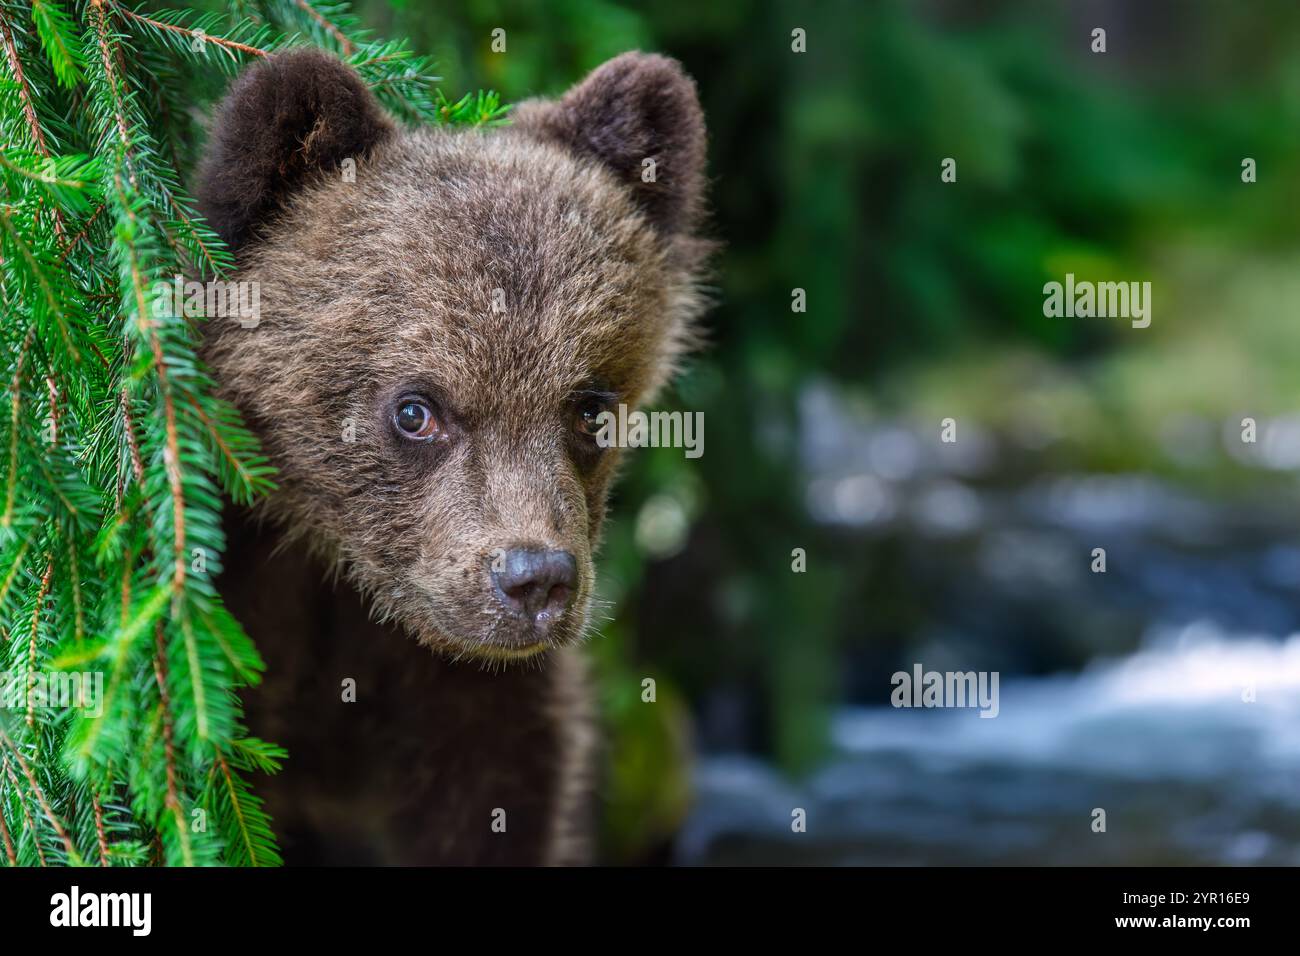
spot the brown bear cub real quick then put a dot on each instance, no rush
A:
(444, 313)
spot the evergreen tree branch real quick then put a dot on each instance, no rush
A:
(10, 855)
(31, 652)
(101, 837)
(189, 32)
(39, 794)
(27, 816)
(114, 468)
(85, 231)
(24, 91)
(169, 747)
(15, 406)
(346, 45)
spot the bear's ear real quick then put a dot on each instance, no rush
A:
(286, 118)
(639, 115)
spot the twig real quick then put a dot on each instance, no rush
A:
(169, 748)
(16, 402)
(99, 830)
(339, 35)
(4, 830)
(40, 797)
(29, 108)
(31, 647)
(106, 58)
(208, 38)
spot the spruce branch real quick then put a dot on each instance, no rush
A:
(100, 836)
(344, 43)
(39, 794)
(115, 451)
(10, 854)
(162, 23)
(24, 91)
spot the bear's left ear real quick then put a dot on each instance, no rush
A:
(639, 115)
(287, 118)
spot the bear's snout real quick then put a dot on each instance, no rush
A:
(536, 585)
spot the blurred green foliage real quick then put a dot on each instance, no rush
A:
(922, 297)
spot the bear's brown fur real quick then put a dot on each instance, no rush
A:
(512, 280)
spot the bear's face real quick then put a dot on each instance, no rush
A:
(439, 331)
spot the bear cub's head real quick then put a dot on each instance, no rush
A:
(443, 314)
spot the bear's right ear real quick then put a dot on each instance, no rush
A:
(285, 119)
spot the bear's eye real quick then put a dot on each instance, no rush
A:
(415, 419)
(588, 421)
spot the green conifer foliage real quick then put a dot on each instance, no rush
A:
(115, 455)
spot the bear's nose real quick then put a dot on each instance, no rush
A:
(534, 583)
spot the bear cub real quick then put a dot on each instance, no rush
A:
(444, 314)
